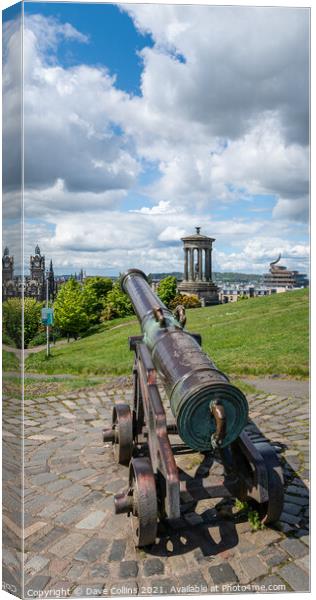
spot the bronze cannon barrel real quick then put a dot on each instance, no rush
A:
(210, 412)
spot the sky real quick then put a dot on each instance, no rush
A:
(144, 121)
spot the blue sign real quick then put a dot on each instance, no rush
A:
(47, 316)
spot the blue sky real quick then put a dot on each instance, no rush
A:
(12, 12)
(143, 121)
(113, 39)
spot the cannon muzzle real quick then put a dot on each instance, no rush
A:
(210, 412)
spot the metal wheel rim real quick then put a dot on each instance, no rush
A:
(271, 510)
(145, 511)
(122, 424)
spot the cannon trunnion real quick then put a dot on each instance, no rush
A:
(210, 415)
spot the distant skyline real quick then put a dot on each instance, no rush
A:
(144, 121)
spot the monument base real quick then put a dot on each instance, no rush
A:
(206, 291)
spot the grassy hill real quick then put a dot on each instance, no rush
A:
(258, 336)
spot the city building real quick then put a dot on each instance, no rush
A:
(33, 285)
(280, 277)
(237, 292)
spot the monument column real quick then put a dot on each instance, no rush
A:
(200, 271)
(210, 263)
(186, 270)
(191, 276)
(205, 278)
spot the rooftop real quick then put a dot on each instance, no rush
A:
(197, 236)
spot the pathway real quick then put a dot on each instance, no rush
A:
(281, 386)
(74, 542)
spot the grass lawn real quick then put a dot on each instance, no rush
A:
(34, 388)
(259, 336)
(104, 353)
(9, 361)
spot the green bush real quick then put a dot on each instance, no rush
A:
(70, 309)
(10, 362)
(188, 301)
(167, 289)
(12, 319)
(95, 291)
(7, 340)
(117, 304)
(38, 340)
(32, 319)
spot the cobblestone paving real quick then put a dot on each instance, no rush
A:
(74, 542)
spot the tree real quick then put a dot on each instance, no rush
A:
(69, 309)
(117, 304)
(12, 319)
(32, 319)
(101, 285)
(95, 290)
(167, 289)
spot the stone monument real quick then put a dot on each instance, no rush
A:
(198, 268)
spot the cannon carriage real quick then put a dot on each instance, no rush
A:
(209, 415)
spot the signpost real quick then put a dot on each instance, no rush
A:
(47, 318)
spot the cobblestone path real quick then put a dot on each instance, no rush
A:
(74, 542)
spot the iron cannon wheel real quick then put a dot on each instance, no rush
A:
(145, 512)
(270, 511)
(122, 425)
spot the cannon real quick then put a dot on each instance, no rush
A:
(209, 415)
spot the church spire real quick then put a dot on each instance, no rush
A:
(51, 282)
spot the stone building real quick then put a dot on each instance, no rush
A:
(34, 285)
(198, 268)
(281, 277)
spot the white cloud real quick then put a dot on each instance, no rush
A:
(265, 249)
(200, 134)
(49, 31)
(240, 61)
(256, 255)
(115, 241)
(56, 199)
(163, 207)
(262, 162)
(236, 111)
(171, 234)
(69, 116)
(296, 209)
(222, 115)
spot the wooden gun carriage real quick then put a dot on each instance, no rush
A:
(210, 416)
